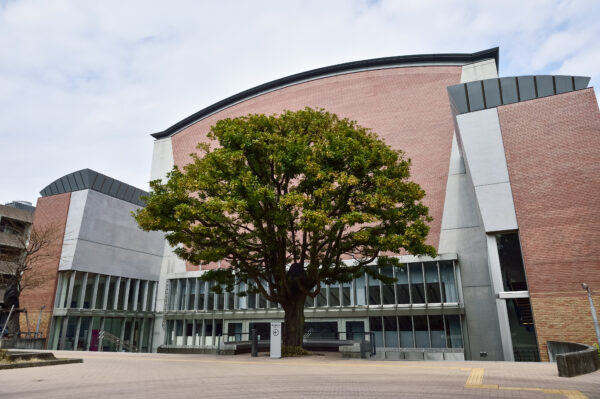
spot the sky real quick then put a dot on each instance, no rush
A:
(83, 84)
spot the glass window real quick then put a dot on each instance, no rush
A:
(112, 292)
(262, 329)
(522, 330)
(511, 262)
(453, 331)
(76, 290)
(251, 299)
(150, 299)
(377, 330)
(438, 333)
(402, 287)
(121, 298)
(234, 332)
(211, 298)
(421, 331)
(173, 295)
(432, 281)
(309, 302)
(361, 298)
(131, 295)
(346, 294)
(448, 282)
(262, 302)
(141, 285)
(231, 300)
(416, 283)
(322, 296)
(89, 291)
(334, 295)
(374, 291)
(181, 301)
(390, 327)
(406, 332)
(100, 294)
(355, 330)
(201, 294)
(387, 290)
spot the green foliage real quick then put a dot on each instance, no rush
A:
(294, 351)
(595, 345)
(304, 188)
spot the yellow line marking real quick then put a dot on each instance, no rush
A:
(475, 380)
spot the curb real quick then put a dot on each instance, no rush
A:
(39, 364)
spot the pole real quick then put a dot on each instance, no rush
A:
(27, 321)
(37, 328)
(7, 320)
(593, 310)
(254, 342)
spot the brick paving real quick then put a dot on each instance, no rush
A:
(125, 375)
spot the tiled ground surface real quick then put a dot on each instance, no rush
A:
(124, 375)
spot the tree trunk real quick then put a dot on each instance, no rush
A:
(11, 297)
(293, 329)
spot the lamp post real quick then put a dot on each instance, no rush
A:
(589, 292)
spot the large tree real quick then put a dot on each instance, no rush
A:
(288, 202)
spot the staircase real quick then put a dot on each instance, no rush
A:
(106, 336)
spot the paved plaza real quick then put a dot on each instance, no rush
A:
(132, 375)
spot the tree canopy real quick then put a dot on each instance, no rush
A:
(289, 201)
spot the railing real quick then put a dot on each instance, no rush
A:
(106, 336)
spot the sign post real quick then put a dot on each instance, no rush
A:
(276, 340)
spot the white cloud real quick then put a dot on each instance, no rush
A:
(82, 84)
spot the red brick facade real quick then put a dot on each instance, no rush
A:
(407, 107)
(51, 212)
(553, 154)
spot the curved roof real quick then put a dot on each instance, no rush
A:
(348, 67)
(89, 179)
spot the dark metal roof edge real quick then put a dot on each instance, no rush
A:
(46, 191)
(325, 71)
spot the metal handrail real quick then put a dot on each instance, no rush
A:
(105, 335)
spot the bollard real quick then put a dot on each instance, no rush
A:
(254, 341)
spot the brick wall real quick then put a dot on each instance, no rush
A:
(51, 212)
(406, 107)
(553, 154)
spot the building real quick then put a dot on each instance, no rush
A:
(15, 227)
(511, 170)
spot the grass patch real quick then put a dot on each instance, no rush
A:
(294, 351)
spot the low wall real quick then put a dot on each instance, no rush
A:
(573, 359)
(23, 343)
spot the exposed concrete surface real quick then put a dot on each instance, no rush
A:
(126, 375)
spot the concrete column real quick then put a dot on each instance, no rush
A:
(122, 335)
(142, 332)
(63, 334)
(102, 320)
(106, 291)
(70, 293)
(126, 296)
(117, 289)
(76, 339)
(88, 339)
(136, 294)
(145, 296)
